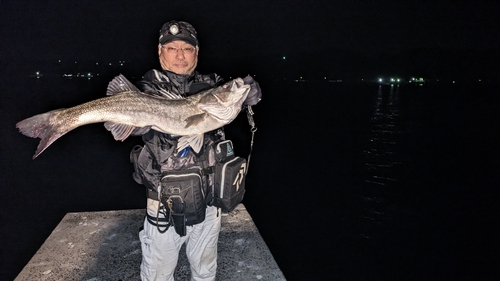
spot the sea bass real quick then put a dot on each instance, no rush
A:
(126, 108)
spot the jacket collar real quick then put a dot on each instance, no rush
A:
(174, 77)
(182, 82)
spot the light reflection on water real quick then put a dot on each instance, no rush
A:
(382, 160)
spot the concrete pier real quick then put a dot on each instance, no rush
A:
(95, 246)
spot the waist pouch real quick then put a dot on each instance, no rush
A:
(229, 177)
(182, 193)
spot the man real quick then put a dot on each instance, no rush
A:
(162, 236)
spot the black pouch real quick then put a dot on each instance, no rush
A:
(183, 194)
(229, 177)
(177, 216)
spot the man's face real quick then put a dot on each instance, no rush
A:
(178, 56)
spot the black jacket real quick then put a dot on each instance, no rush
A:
(159, 152)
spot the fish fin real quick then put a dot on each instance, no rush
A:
(195, 141)
(141, 131)
(120, 84)
(195, 119)
(39, 126)
(220, 112)
(120, 131)
(234, 86)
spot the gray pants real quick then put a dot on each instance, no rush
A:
(160, 251)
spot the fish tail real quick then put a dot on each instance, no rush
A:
(40, 126)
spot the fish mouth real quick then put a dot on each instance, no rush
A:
(240, 93)
(226, 108)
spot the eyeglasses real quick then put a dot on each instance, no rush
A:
(173, 50)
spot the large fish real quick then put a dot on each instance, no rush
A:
(126, 108)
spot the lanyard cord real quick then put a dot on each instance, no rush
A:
(253, 129)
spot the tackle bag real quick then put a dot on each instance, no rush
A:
(229, 177)
(183, 195)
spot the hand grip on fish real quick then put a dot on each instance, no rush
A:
(126, 108)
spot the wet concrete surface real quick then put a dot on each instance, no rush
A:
(105, 245)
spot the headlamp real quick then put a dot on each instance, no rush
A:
(173, 29)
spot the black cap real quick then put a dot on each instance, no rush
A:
(178, 30)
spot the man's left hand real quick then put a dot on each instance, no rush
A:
(255, 94)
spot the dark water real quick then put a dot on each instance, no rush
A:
(347, 181)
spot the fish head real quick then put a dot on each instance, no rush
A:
(232, 93)
(225, 102)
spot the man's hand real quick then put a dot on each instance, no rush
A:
(255, 94)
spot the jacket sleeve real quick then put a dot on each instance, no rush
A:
(157, 149)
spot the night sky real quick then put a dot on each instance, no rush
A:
(228, 30)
